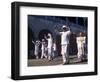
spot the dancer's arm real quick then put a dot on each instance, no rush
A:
(45, 37)
(57, 32)
(33, 42)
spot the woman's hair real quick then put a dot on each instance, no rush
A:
(81, 34)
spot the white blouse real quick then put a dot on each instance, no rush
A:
(81, 41)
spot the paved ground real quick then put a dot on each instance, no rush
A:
(55, 61)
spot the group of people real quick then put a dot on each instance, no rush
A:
(49, 49)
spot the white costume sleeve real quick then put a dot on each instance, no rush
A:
(69, 32)
(57, 32)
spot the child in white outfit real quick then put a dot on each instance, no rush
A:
(43, 49)
(36, 52)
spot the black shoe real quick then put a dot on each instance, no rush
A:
(67, 62)
(49, 60)
(64, 63)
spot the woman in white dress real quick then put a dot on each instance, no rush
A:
(80, 44)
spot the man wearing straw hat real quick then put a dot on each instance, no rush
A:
(65, 34)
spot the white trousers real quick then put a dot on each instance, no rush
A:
(43, 53)
(64, 52)
(80, 51)
(49, 53)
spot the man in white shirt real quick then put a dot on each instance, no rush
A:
(65, 35)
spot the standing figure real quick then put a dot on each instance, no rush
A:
(54, 49)
(80, 45)
(43, 49)
(50, 44)
(36, 51)
(46, 49)
(65, 35)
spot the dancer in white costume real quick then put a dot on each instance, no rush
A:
(43, 48)
(36, 51)
(54, 49)
(64, 43)
(80, 44)
(50, 44)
